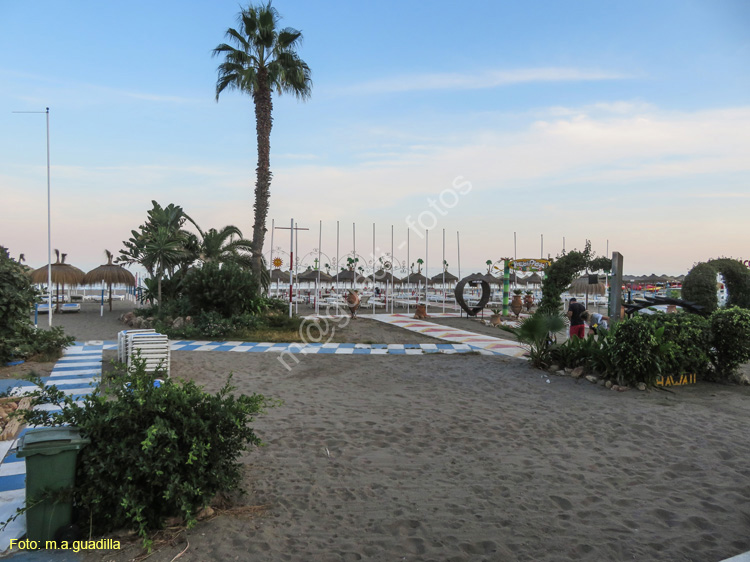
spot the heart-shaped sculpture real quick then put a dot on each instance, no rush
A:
(483, 300)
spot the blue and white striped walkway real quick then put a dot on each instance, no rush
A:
(76, 373)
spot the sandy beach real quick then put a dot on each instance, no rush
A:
(464, 458)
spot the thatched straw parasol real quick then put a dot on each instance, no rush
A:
(449, 278)
(62, 273)
(533, 279)
(383, 276)
(110, 274)
(278, 275)
(581, 285)
(349, 275)
(414, 279)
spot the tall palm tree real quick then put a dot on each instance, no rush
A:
(261, 59)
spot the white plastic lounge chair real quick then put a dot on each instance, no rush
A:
(70, 307)
(122, 356)
(152, 348)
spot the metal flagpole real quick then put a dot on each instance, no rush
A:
(270, 259)
(458, 249)
(354, 255)
(541, 255)
(426, 267)
(393, 267)
(443, 271)
(408, 269)
(291, 261)
(337, 258)
(373, 264)
(317, 281)
(296, 267)
(49, 223)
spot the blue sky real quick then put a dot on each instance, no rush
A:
(623, 122)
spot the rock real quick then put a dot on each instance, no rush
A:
(127, 318)
(205, 513)
(577, 373)
(174, 521)
(178, 323)
(554, 368)
(622, 388)
(568, 370)
(560, 373)
(138, 322)
(742, 379)
(592, 379)
(608, 384)
(189, 320)
(641, 386)
(602, 382)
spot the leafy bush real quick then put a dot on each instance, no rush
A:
(228, 289)
(640, 351)
(730, 341)
(535, 332)
(691, 336)
(699, 287)
(154, 452)
(575, 352)
(16, 298)
(737, 280)
(47, 345)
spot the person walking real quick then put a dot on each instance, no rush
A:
(577, 324)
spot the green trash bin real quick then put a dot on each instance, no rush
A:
(50, 454)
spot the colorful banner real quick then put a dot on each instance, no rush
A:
(529, 264)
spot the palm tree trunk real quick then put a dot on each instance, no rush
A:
(263, 124)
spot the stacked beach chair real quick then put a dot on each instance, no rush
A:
(152, 348)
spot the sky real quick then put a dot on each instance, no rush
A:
(517, 128)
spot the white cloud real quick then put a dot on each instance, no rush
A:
(479, 80)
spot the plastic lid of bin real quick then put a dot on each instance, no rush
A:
(50, 441)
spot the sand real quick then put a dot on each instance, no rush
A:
(475, 458)
(464, 458)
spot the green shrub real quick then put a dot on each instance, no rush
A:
(17, 296)
(48, 345)
(736, 279)
(691, 336)
(227, 289)
(154, 452)
(535, 332)
(730, 341)
(641, 353)
(575, 352)
(699, 287)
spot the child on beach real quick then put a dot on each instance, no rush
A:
(596, 321)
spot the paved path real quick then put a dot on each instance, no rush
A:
(481, 342)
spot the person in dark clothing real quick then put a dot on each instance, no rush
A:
(577, 324)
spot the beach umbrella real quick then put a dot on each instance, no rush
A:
(534, 279)
(381, 276)
(110, 274)
(449, 278)
(581, 285)
(494, 280)
(278, 275)
(349, 275)
(62, 273)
